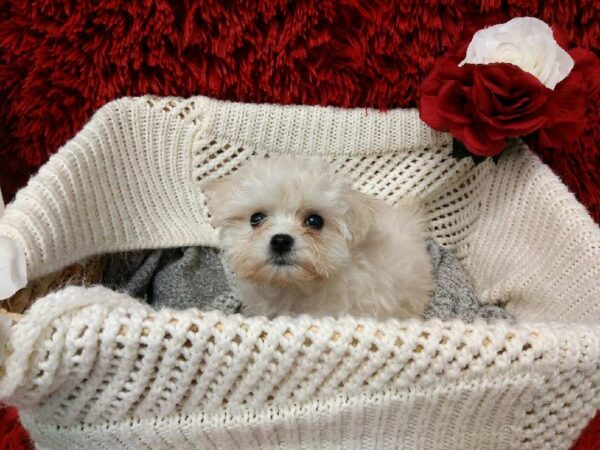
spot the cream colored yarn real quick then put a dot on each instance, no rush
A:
(91, 368)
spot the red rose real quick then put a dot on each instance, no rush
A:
(566, 110)
(483, 105)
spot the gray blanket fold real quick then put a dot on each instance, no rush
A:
(179, 278)
(454, 296)
(187, 277)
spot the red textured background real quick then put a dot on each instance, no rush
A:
(62, 60)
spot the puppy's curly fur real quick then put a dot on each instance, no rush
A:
(344, 252)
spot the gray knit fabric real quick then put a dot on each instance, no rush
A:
(178, 278)
(190, 277)
(454, 296)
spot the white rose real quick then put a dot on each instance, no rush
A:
(526, 42)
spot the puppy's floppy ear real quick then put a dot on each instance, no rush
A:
(360, 216)
(217, 192)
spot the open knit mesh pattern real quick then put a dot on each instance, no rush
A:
(114, 364)
(91, 365)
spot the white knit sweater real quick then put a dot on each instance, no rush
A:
(91, 368)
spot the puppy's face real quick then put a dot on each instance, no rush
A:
(286, 221)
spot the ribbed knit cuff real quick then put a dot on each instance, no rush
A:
(312, 129)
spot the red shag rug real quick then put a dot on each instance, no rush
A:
(62, 60)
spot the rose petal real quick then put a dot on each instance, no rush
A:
(481, 144)
(526, 42)
(587, 64)
(429, 112)
(435, 108)
(452, 101)
(508, 100)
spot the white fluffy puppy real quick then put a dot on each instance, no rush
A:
(300, 240)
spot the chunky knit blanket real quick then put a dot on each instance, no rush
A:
(90, 367)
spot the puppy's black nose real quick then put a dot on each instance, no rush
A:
(281, 243)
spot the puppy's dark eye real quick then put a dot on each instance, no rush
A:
(314, 221)
(256, 219)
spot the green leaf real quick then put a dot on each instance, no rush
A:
(460, 151)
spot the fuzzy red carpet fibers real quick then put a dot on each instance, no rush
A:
(62, 60)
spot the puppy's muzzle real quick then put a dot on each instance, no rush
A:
(281, 244)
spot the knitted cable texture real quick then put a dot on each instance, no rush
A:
(93, 368)
(131, 375)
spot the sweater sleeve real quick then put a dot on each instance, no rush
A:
(121, 183)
